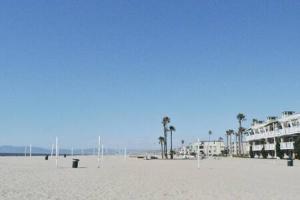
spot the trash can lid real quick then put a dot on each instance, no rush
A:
(75, 159)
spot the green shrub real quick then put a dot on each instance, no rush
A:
(264, 153)
(193, 154)
(297, 148)
(279, 152)
(251, 152)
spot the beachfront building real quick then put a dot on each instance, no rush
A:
(184, 150)
(265, 134)
(233, 146)
(208, 148)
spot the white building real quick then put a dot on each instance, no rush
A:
(209, 148)
(265, 134)
(233, 148)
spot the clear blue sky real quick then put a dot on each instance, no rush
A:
(79, 69)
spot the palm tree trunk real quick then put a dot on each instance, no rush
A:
(166, 146)
(230, 144)
(208, 145)
(165, 143)
(240, 126)
(227, 142)
(236, 144)
(242, 149)
(171, 146)
(162, 151)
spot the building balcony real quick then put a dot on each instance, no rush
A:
(257, 147)
(287, 145)
(269, 147)
(272, 134)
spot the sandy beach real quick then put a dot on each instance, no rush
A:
(226, 178)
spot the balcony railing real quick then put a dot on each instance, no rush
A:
(269, 147)
(257, 147)
(287, 145)
(272, 134)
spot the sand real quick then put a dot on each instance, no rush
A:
(226, 178)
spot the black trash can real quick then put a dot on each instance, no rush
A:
(65, 155)
(46, 157)
(75, 163)
(290, 162)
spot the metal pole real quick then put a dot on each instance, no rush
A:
(99, 143)
(56, 151)
(25, 152)
(125, 153)
(102, 155)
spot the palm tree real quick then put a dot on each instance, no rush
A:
(254, 121)
(161, 142)
(242, 133)
(165, 122)
(229, 133)
(182, 143)
(172, 129)
(209, 134)
(241, 117)
(236, 143)
(227, 142)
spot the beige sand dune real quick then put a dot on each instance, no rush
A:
(227, 178)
